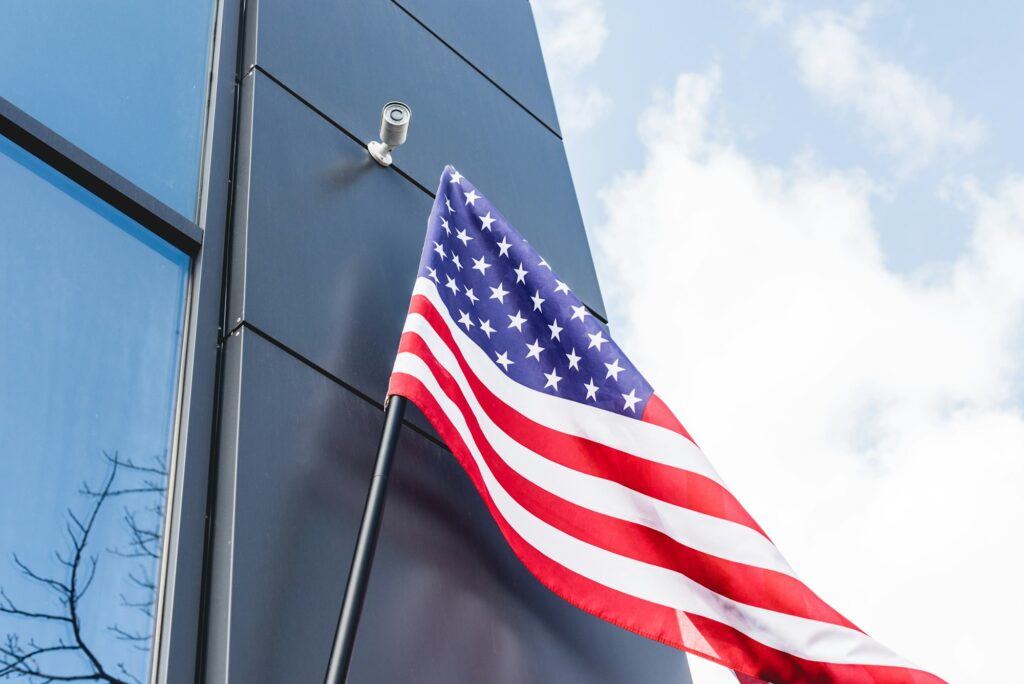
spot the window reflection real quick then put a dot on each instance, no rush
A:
(124, 80)
(91, 315)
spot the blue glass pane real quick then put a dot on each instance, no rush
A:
(91, 315)
(125, 80)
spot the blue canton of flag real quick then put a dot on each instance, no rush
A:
(513, 305)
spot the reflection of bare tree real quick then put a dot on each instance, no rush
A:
(42, 659)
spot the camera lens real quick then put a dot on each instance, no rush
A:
(394, 123)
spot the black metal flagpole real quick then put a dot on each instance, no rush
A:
(366, 543)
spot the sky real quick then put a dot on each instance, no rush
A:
(90, 339)
(93, 303)
(808, 222)
(125, 81)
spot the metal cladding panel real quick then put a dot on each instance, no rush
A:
(448, 600)
(327, 247)
(323, 254)
(294, 465)
(348, 58)
(499, 39)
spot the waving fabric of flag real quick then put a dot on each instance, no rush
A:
(595, 485)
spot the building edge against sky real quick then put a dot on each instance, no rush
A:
(230, 366)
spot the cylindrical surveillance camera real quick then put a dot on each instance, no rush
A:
(394, 127)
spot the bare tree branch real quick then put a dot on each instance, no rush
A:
(143, 526)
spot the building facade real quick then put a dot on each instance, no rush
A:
(204, 279)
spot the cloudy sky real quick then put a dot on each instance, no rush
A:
(809, 227)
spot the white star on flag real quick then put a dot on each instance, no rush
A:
(481, 265)
(613, 370)
(631, 400)
(516, 321)
(504, 360)
(499, 293)
(579, 312)
(535, 350)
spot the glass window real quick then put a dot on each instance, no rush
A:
(125, 81)
(91, 315)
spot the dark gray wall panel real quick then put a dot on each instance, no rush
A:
(499, 38)
(294, 463)
(348, 58)
(327, 242)
(448, 600)
(323, 254)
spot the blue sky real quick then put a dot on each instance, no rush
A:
(830, 199)
(775, 118)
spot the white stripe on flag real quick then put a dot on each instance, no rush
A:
(801, 637)
(718, 537)
(644, 440)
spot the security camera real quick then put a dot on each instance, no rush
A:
(394, 127)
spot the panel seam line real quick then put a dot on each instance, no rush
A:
(331, 376)
(477, 69)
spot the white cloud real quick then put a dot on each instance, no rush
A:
(768, 11)
(572, 35)
(871, 421)
(912, 119)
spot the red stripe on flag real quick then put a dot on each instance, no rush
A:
(744, 583)
(666, 483)
(657, 413)
(692, 633)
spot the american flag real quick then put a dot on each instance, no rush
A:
(596, 486)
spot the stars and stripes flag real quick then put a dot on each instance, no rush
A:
(596, 486)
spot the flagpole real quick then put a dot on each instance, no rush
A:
(366, 543)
